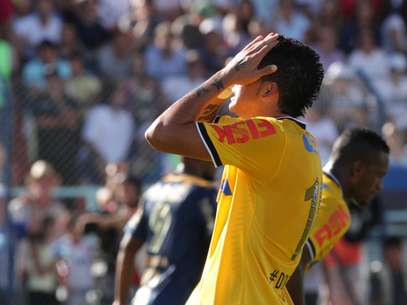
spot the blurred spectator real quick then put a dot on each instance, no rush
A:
(42, 24)
(162, 58)
(88, 24)
(6, 11)
(108, 224)
(110, 11)
(37, 263)
(393, 32)
(327, 47)
(8, 56)
(175, 87)
(48, 60)
(398, 147)
(114, 60)
(236, 32)
(142, 20)
(4, 244)
(290, 22)
(57, 124)
(369, 58)
(76, 254)
(215, 52)
(29, 209)
(108, 133)
(145, 100)
(263, 8)
(170, 9)
(70, 43)
(83, 87)
(344, 96)
(393, 90)
(389, 286)
(324, 129)
(358, 17)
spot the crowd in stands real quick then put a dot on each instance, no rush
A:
(85, 78)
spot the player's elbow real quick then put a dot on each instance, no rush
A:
(155, 136)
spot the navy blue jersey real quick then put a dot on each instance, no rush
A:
(175, 223)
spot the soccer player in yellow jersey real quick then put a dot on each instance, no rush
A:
(271, 182)
(357, 165)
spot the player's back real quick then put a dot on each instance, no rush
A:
(176, 225)
(266, 205)
(332, 221)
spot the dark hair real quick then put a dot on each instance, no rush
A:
(132, 180)
(299, 75)
(358, 144)
(393, 242)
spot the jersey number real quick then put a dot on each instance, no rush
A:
(311, 194)
(159, 224)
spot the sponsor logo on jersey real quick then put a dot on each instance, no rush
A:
(244, 131)
(337, 222)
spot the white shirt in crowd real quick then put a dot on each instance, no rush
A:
(177, 86)
(31, 29)
(325, 132)
(79, 257)
(110, 131)
(110, 11)
(373, 64)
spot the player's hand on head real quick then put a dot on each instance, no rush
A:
(243, 68)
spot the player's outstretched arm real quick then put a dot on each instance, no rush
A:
(125, 268)
(295, 285)
(174, 131)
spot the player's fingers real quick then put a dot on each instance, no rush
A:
(269, 42)
(266, 71)
(261, 52)
(253, 42)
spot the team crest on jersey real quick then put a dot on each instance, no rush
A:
(309, 144)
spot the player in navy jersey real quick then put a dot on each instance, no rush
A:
(175, 223)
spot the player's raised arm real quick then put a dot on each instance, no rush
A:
(174, 131)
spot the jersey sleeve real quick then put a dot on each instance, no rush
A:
(253, 145)
(137, 226)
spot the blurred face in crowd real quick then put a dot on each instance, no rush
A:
(129, 194)
(45, 7)
(367, 43)
(327, 38)
(48, 54)
(43, 187)
(366, 178)
(393, 255)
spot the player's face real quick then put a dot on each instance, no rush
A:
(369, 181)
(129, 194)
(244, 102)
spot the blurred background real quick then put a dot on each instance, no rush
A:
(81, 79)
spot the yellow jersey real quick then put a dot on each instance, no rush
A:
(332, 222)
(268, 199)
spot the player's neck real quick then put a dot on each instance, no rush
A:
(341, 175)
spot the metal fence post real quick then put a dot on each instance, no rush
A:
(6, 108)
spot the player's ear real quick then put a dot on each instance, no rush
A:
(357, 169)
(268, 89)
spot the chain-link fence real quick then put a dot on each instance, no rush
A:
(85, 133)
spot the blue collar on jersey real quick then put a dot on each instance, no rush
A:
(299, 122)
(333, 178)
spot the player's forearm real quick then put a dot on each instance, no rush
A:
(124, 272)
(201, 104)
(295, 286)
